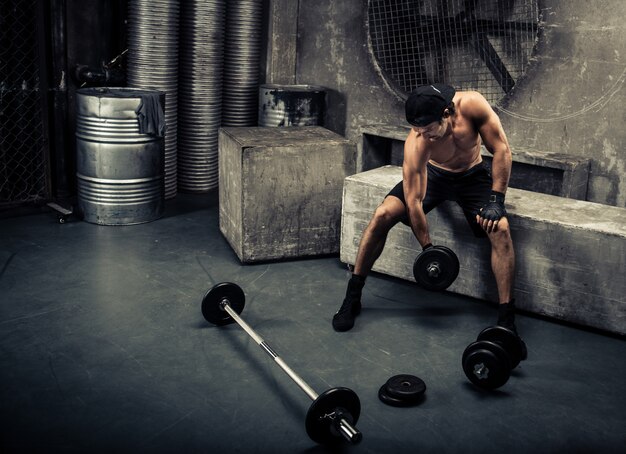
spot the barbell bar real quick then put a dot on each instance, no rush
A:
(332, 413)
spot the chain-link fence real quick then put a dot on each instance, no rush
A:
(23, 156)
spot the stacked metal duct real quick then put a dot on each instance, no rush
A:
(153, 64)
(200, 90)
(241, 62)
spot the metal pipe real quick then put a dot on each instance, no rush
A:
(349, 432)
(265, 346)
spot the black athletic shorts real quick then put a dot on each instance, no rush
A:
(470, 189)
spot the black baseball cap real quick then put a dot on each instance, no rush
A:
(427, 102)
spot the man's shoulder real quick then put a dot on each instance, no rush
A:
(468, 99)
(472, 105)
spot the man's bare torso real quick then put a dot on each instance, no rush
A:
(459, 147)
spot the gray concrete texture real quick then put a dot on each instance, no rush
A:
(566, 267)
(280, 190)
(572, 100)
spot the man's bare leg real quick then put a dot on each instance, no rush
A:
(374, 236)
(503, 267)
(372, 243)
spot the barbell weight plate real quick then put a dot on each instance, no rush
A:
(486, 364)
(510, 341)
(319, 423)
(405, 386)
(441, 259)
(387, 399)
(524, 349)
(402, 391)
(211, 309)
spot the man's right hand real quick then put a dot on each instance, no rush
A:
(491, 212)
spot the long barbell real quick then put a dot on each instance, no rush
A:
(332, 413)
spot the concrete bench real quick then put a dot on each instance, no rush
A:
(570, 254)
(539, 171)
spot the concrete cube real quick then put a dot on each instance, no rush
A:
(280, 190)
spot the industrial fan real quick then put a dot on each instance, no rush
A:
(483, 45)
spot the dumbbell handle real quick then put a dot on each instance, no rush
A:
(344, 427)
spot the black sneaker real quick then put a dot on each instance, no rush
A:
(343, 320)
(508, 325)
(506, 316)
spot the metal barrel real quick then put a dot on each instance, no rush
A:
(291, 105)
(153, 34)
(120, 171)
(202, 24)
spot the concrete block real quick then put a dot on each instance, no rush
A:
(533, 170)
(570, 254)
(280, 190)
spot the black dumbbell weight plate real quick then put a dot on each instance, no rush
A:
(402, 390)
(508, 339)
(319, 422)
(436, 268)
(405, 386)
(486, 364)
(211, 309)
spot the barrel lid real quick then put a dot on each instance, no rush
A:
(293, 88)
(117, 92)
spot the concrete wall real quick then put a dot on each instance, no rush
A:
(572, 102)
(574, 99)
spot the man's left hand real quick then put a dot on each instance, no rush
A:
(491, 212)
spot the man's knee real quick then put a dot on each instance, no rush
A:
(502, 235)
(385, 217)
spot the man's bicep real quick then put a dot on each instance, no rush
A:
(414, 168)
(492, 134)
(414, 183)
(488, 124)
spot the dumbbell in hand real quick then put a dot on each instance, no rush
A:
(488, 362)
(436, 268)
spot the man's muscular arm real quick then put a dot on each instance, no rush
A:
(415, 176)
(494, 139)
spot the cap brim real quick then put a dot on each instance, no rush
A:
(424, 121)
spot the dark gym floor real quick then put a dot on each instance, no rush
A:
(104, 349)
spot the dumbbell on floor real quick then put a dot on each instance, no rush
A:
(488, 362)
(332, 414)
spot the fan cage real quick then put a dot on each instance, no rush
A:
(484, 45)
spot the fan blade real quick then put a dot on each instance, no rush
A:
(469, 6)
(496, 27)
(491, 58)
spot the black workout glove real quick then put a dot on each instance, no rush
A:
(494, 209)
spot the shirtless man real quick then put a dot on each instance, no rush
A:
(442, 161)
